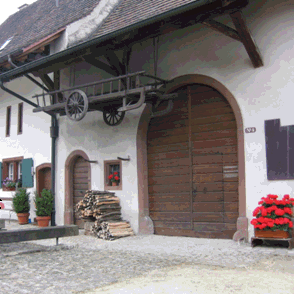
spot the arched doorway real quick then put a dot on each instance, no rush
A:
(193, 166)
(80, 184)
(77, 182)
(43, 177)
(232, 213)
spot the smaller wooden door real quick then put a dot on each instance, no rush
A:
(80, 185)
(44, 179)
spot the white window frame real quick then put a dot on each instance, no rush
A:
(11, 171)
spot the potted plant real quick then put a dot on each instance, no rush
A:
(114, 178)
(8, 185)
(273, 217)
(44, 206)
(21, 205)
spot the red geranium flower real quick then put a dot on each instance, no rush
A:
(263, 211)
(116, 178)
(288, 210)
(115, 173)
(279, 212)
(110, 177)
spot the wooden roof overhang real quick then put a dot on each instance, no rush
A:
(107, 45)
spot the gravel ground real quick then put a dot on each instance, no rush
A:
(144, 264)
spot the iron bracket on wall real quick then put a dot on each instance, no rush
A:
(125, 159)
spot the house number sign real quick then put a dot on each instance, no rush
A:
(250, 130)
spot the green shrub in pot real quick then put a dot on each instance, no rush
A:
(21, 205)
(44, 204)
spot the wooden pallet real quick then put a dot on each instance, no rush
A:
(255, 241)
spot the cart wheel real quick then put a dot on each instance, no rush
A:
(112, 117)
(76, 105)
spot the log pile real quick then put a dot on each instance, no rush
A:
(104, 208)
(111, 230)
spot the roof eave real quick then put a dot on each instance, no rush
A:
(17, 72)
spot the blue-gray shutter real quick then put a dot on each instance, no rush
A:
(27, 173)
(279, 150)
(0, 174)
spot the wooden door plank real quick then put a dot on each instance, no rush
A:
(214, 135)
(208, 178)
(168, 163)
(226, 125)
(175, 188)
(168, 148)
(169, 155)
(231, 141)
(171, 216)
(212, 119)
(169, 180)
(166, 171)
(170, 197)
(170, 206)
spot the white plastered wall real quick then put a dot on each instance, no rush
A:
(100, 142)
(34, 142)
(262, 94)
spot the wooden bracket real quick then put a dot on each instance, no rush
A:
(115, 62)
(100, 64)
(47, 81)
(246, 38)
(241, 34)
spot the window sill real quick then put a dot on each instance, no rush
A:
(115, 188)
(8, 189)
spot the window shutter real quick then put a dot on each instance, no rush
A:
(279, 151)
(27, 173)
(0, 174)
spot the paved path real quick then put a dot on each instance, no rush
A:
(83, 263)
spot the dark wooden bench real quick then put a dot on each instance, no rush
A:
(38, 233)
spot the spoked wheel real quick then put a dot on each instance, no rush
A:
(76, 105)
(113, 117)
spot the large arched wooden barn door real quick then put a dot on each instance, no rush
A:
(193, 166)
(80, 184)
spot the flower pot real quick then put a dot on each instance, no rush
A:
(23, 218)
(8, 188)
(114, 184)
(272, 234)
(43, 221)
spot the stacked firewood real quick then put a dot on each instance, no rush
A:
(111, 230)
(104, 208)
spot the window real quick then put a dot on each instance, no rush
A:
(8, 121)
(112, 169)
(20, 118)
(11, 171)
(17, 169)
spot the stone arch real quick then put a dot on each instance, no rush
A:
(145, 223)
(68, 201)
(39, 169)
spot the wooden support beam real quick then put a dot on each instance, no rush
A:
(126, 57)
(47, 81)
(102, 65)
(115, 62)
(59, 96)
(246, 38)
(219, 27)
